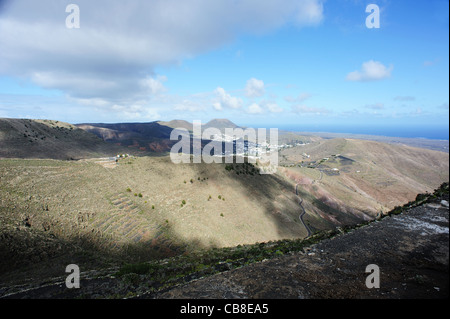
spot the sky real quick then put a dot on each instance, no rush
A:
(300, 64)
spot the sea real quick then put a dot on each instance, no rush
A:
(428, 132)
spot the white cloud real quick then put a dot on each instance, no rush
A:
(302, 109)
(371, 71)
(115, 52)
(154, 86)
(225, 100)
(188, 105)
(274, 108)
(255, 109)
(254, 88)
(299, 99)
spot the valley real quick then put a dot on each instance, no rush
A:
(98, 210)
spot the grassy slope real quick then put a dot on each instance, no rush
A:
(82, 211)
(54, 213)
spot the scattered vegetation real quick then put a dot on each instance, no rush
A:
(181, 269)
(244, 168)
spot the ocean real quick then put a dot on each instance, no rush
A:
(428, 132)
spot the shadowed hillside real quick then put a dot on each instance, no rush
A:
(23, 138)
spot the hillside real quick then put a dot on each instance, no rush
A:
(23, 138)
(138, 208)
(138, 138)
(361, 177)
(177, 124)
(102, 212)
(411, 250)
(409, 245)
(147, 138)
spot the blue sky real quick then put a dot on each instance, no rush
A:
(311, 64)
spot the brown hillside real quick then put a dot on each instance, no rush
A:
(23, 138)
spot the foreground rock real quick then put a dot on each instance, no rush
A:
(411, 251)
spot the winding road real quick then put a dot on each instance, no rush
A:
(303, 211)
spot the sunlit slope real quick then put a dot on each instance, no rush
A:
(363, 177)
(146, 205)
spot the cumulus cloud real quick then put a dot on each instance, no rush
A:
(370, 71)
(254, 88)
(255, 109)
(274, 107)
(225, 100)
(115, 52)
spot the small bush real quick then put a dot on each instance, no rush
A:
(129, 190)
(140, 195)
(183, 202)
(220, 197)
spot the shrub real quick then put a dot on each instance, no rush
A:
(140, 195)
(220, 197)
(183, 202)
(129, 190)
(153, 206)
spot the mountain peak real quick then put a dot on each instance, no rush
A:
(220, 124)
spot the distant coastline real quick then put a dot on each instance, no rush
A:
(428, 132)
